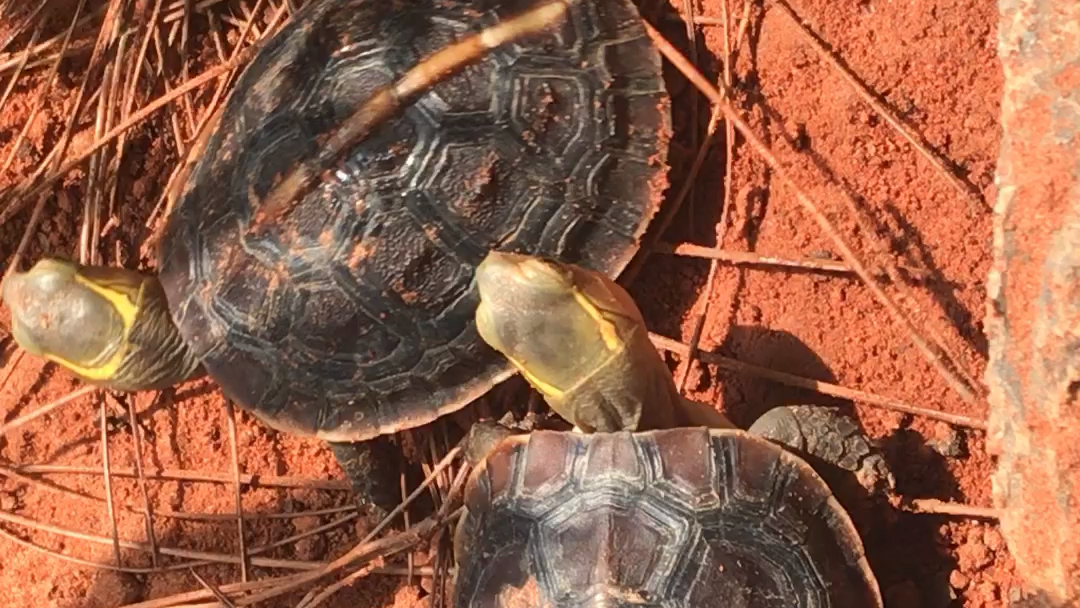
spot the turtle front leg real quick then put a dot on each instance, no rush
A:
(373, 469)
(826, 435)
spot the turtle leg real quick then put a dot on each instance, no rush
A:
(825, 435)
(371, 468)
(483, 436)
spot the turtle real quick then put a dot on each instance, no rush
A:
(684, 516)
(317, 259)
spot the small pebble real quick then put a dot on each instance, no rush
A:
(946, 441)
(755, 314)
(989, 592)
(114, 589)
(974, 554)
(958, 579)
(8, 502)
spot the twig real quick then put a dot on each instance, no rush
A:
(12, 365)
(177, 9)
(824, 388)
(106, 42)
(203, 558)
(940, 507)
(22, 62)
(932, 356)
(695, 101)
(322, 596)
(750, 258)
(136, 433)
(422, 530)
(443, 465)
(202, 133)
(383, 547)
(187, 597)
(695, 333)
(305, 534)
(920, 144)
(76, 560)
(24, 192)
(185, 68)
(200, 556)
(45, 409)
(31, 228)
(109, 510)
(269, 481)
(699, 322)
(221, 597)
(729, 129)
(671, 209)
(194, 516)
(230, 420)
(17, 30)
(388, 100)
(403, 487)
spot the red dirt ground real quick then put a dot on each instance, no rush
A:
(933, 61)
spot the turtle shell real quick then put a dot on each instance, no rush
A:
(352, 316)
(677, 518)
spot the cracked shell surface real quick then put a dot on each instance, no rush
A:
(353, 315)
(677, 518)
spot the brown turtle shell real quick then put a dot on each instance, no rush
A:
(685, 517)
(351, 316)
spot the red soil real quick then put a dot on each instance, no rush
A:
(932, 61)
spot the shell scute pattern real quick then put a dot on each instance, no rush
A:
(383, 246)
(683, 517)
(611, 460)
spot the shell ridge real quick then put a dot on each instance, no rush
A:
(408, 364)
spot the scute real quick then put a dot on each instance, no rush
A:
(382, 248)
(660, 518)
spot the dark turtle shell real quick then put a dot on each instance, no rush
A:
(352, 316)
(676, 518)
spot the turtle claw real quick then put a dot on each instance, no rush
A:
(828, 436)
(483, 436)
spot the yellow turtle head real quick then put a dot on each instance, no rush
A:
(109, 326)
(575, 335)
(554, 321)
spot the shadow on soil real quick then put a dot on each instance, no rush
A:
(914, 259)
(666, 285)
(904, 550)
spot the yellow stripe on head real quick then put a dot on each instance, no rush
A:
(125, 301)
(549, 390)
(611, 338)
(608, 333)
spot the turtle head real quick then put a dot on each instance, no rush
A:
(109, 326)
(576, 336)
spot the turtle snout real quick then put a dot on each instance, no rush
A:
(28, 317)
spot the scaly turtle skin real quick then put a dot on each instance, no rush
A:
(578, 337)
(682, 517)
(318, 260)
